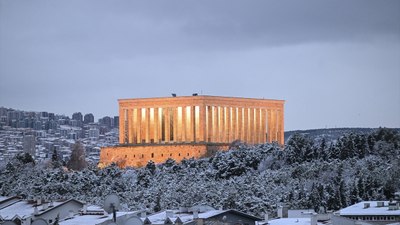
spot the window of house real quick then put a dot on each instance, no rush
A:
(152, 155)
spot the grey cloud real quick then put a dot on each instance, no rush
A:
(84, 55)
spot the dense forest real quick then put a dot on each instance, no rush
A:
(305, 173)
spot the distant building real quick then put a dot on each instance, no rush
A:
(369, 212)
(52, 116)
(44, 114)
(288, 216)
(77, 116)
(116, 121)
(26, 211)
(190, 126)
(29, 144)
(106, 121)
(93, 133)
(89, 118)
(200, 215)
(93, 215)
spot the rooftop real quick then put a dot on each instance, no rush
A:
(359, 209)
(291, 221)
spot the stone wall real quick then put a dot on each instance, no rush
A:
(139, 155)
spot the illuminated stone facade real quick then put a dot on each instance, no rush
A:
(150, 127)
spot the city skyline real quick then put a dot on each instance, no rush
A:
(335, 64)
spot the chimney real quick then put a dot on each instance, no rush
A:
(380, 204)
(313, 219)
(70, 214)
(84, 209)
(195, 214)
(283, 211)
(39, 201)
(366, 205)
(143, 214)
(35, 210)
(45, 206)
(183, 209)
(266, 217)
(169, 213)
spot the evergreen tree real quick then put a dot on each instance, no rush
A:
(354, 194)
(77, 160)
(56, 162)
(25, 158)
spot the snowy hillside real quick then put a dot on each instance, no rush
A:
(253, 179)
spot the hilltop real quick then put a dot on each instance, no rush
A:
(331, 134)
(253, 179)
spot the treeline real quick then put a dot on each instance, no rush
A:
(325, 175)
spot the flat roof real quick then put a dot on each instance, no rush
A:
(199, 96)
(373, 210)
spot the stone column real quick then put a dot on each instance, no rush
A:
(240, 124)
(273, 123)
(263, 125)
(222, 127)
(229, 124)
(246, 125)
(279, 127)
(121, 125)
(156, 125)
(167, 125)
(217, 125)
(269, 126)
(147, 127)
(139, 126)
(151, 124)
(194, 128)
(210, 126)
(234, 123)
(257, 124)
(183, 124)
(202, 124)
(251, 134)
(130, 126)
(134, 125)
(175, 123)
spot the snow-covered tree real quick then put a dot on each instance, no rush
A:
(77, 160)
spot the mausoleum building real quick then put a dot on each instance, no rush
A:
(184, 127)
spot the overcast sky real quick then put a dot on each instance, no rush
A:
(336, 63)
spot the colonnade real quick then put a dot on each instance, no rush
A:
(200, 123)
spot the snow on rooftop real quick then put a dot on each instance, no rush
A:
(21, 209)
(291, 221)
(359, 210)
(91, 219)
(94, 208)
(159, 218)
